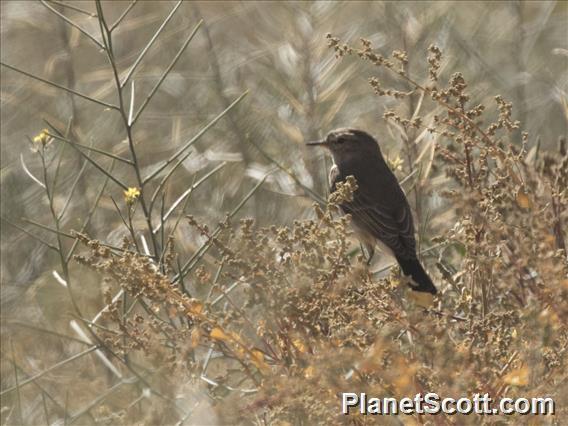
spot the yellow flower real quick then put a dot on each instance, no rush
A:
(396, 163)
(42, 139)
(131, 195)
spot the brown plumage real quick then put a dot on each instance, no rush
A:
(379, 210)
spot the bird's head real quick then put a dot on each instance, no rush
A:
(347, 142)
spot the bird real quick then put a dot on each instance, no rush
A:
(379, 210)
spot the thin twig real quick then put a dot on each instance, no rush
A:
(131, 107)
(315, 196)
(27, 171)
(48, 370)
(149, 44)
(91, 212)
(59, 86)
(127, 225)
(164, 217)
(73, 24)
(119, 20)
(18, 395)
(165, 179)
(43, 392)
(89, 159)
(72, 190)
(44, 404)
(71, 236)
(100, 398)
(90, 148)
(75, 8)
(34, 236)
(44, 330)
(59, 156)
(188, 192)
(203, 249)
(166, 72)
(194, 139)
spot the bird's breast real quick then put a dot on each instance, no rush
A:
(333, 175)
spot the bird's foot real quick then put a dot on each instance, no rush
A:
(406, 280)
(368, 251)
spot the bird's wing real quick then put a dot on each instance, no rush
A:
(396, 229)
(389, 220)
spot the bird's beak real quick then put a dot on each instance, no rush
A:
(314, 143)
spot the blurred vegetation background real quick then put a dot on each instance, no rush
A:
(297, 91)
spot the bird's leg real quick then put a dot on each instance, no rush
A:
(369, 250)
(408, 280)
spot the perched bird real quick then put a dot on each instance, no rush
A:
(379, 210)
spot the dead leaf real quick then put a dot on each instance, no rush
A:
(518, 377)
(523, 199)
(299, 345)
(195, 337)
(425, 300)
(309, 372)
(218, 334)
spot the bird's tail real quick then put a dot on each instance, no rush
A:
(421, 279)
